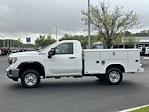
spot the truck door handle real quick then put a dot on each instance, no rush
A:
(72, 57)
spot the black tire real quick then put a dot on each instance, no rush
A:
(34, 78)
(114, 76)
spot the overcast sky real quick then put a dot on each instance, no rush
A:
(40, 16)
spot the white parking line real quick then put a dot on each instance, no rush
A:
(128, 110)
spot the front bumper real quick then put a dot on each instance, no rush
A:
(13, 74)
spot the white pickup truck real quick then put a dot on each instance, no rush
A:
(67, 59)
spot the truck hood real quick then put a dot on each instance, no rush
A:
(30, 53)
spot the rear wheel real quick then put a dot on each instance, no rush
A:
(114, 76)
(30, 78)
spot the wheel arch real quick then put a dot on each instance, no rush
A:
(119, 66)
(32, 65)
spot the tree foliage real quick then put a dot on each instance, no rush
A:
(143, 33)
(10, 43)
(110, 23)
(130, 40)
(42, 41)
(81, 38)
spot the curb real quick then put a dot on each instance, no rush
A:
(131, 109)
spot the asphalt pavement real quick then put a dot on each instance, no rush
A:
(74, 95)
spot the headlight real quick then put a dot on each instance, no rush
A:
(12, 60)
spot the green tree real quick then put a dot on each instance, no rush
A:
(49, 40)
(130, 40)
(110, 23)
(10, 43)
(82, 39)
(42, 41)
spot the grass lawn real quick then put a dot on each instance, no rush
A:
(144, 109)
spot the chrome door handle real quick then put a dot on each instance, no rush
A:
(72, 57)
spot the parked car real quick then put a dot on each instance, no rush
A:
(14, 50)
(4, 51)
(144, 51)
(147, 51)
(21, 50)
(29, 49)
(97, 45)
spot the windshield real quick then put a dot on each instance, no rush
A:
(47, 47)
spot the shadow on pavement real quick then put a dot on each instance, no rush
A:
(91, 84)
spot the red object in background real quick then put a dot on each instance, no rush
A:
(4, 51)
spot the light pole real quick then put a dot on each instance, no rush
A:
(56, 32)
(89, 35)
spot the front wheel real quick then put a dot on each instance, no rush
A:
(114, 76)
(30, 78)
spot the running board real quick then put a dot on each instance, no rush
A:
(58, 77)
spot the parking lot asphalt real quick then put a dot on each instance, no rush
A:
(74, 95)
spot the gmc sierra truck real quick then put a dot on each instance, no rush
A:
(67, 59)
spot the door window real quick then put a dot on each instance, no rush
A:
(65, 48)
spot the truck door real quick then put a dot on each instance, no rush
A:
(64, 61)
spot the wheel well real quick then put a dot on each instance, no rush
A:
(116, 66)
(35, 65)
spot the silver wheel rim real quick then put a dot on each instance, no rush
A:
(30, 79)
(114, 76)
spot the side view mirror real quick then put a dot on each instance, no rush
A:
(51, 52)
